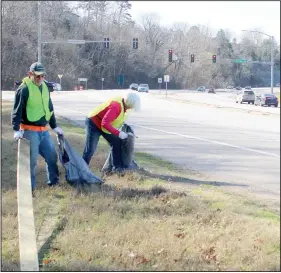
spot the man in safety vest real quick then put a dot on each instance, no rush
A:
(105, 120)
(32, 111)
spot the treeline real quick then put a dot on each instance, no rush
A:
(102, 19)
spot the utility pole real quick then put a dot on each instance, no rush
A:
(39, 31)
(272, 58)
(272, 65)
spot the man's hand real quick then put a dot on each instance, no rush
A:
(123, 135)
(18, 135)
(58, 130)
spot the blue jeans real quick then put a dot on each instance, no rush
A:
(41, 143)
(93, 134)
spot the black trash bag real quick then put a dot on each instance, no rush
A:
(77, 172)
(127, 152)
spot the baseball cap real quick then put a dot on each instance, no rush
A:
(37, 68)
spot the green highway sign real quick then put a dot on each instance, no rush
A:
(240, 60)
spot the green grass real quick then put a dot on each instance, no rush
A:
(143, 221)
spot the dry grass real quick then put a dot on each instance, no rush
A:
(138, 222)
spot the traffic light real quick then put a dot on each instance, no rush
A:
(170, 55)
(135, 43)
(214, 59)
(192, 58)
(106, 43)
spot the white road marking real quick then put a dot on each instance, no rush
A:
(199, 138)
(211, 141)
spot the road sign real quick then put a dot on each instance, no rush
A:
(102, 79)
(60, 76)
(240, 60)
(166, 78)
(82, 79)
(120, 79)
(159, 80)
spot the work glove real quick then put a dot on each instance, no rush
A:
(18, 135)
(123, 135)
(58, 130)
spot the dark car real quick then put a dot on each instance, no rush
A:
(51, 85)
(266, 99)
(212, 90)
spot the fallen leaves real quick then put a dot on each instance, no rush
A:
(180, 235)
(208, 254)
(140, 259)
(47, 261)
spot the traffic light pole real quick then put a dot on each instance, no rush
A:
(39, 32)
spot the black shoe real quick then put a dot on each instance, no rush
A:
(119, 171)
(52, 184)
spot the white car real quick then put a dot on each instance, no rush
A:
(57, 87)
(201, 88)
(248, 88)
(143, 87)
(246, 96)
(134, 86)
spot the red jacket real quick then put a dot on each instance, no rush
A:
(106, 116)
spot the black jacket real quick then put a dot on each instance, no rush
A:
(19, 111)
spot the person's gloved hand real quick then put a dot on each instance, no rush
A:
(58, 130)
(18, 135)
(123, 135)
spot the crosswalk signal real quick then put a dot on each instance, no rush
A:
(170, 55)
(106, 43)
(135, 43)
(192, 58)
(214, 58)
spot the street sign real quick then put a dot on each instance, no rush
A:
(120, 79)
(60, 76)
(159, 80)
(102, 79)
(82, 79)
(166, 78)
(240, 60)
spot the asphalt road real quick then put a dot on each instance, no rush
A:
(233, 148)
(222, 99)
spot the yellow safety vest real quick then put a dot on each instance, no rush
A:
(117, 123)
(37, 103)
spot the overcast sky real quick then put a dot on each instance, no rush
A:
(231, 15)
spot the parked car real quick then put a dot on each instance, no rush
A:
(266, 99)
(51, 85)
(229, 87)
(201, 88)
(248, 88)
(134, 86)
(143, 87)
(56, 86)
(238, 88)
(212, 90)
(245, 96)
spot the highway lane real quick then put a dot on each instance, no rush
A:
(225, 146)
(220, 99)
